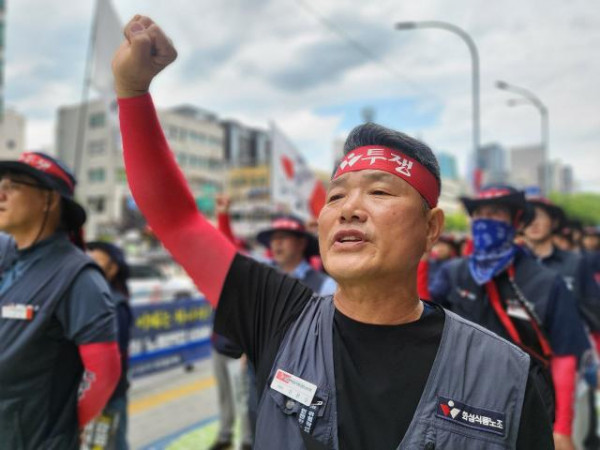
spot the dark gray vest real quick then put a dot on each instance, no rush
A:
(472, 399)
(30, 350)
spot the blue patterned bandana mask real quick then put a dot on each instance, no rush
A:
(493, 249)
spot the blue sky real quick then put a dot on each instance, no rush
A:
(262, 60)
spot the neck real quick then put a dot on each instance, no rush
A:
(541, 248)
(26, 238)
(380, 303)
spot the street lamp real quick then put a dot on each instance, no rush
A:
(530, 98)
(474, 65)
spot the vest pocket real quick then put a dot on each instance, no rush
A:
(314, 420)
(11, 435)
(450, 436)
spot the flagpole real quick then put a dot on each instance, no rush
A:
(83, 110)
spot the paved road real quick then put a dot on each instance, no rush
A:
(164, 405)
(175, 409)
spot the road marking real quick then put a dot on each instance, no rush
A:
(156, 400)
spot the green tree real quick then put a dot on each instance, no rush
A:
(584, 206)
(456, 222)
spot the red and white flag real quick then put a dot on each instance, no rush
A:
(294, 187)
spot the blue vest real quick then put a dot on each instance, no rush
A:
(29, 352)
(472, 399)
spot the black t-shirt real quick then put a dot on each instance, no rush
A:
(380, 370)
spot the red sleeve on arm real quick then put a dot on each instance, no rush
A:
(102, 364)
(564, 373)
(596, 338)
(162, 194)
(224, 225)
(422, 280)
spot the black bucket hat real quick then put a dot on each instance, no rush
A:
(501, 194)
(52, 174)
(554, 211)
(290, 224)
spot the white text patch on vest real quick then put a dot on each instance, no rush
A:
(294, 387)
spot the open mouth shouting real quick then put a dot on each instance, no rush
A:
(349, 239)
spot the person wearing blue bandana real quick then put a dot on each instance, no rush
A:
(503, 288)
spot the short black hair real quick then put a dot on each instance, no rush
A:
(373, 134)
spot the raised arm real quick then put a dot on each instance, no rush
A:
(156, 182)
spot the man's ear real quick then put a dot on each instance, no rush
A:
(435, 226)
(52, 201)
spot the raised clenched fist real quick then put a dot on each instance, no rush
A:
(222, 204)
(144, 53)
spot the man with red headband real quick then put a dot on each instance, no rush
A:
(504, 289)
(371, 366)
(59, 362)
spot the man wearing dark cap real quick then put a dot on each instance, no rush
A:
(290, 246)
(504, 289)
(373, 366)
(574, 267)
(575, 270)
(59, 361)
(111, 260)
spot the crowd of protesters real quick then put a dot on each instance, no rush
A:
(379, 331)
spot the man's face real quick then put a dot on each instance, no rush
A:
(493, 212)
(373, 225)
(541, 227)
(591, 242)
(442, 251)
(107, 265)
(562, 243)
(287, 247)
(22, 205)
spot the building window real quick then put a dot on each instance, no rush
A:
(96, 204)
(96, 175)
(97, 147)
(97, 120)
(172, 133)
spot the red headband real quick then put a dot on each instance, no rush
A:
(392, 161)
(47, 166)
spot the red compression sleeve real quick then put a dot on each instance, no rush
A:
(564, 373)
(422, 280)
(162, 194)
(102, 364)
(596, 338)
(224, 225)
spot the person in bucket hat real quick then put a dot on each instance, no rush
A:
(51, 175)
(501, 287)
(290, 246)
(59, 360)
